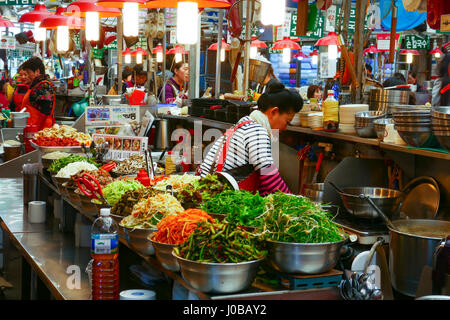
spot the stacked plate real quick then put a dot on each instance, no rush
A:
(364, 125)
(311, 119)
(415, 128)
(440, 124)
(347, 116)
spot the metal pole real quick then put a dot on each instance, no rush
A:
(164, 64)
(194, 65)
(119, 54)
(219, 48)
(247, 48)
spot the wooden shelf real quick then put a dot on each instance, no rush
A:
(335, 135)
(419, 152)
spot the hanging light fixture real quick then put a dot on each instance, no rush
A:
(273, 12)
(314, 57)
(371, 49)
(187, 15)
(286, 45)
(409, 55)
(127, 53)
(158, 50)
(139, 53)
(62, 24)
(254, 45)
(178, 52)
(4, 23)
(38, 14)
(300, 56)
(130, 14)
(330, 41)
(225, 47)
(437, 52)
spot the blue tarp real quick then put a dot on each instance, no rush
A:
(405, 20)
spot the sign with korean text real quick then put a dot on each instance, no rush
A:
(8, 43)
(445, 23)
(121, 147)
(316, 24)
(17, 2)
(111, 115)
(416, 42)
(330, 21)
(384, 39)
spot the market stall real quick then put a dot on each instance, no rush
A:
(362, 158)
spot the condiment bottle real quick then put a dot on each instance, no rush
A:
(330, 108)
(170, 164)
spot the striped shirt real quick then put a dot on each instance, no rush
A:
(250, 144)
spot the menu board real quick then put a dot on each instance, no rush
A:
(111, 115)
(121, 147)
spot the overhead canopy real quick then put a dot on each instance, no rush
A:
(405, 20)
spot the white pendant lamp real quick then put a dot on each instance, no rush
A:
(92, 26)
(273, 12)
(187, 24)
(130, 13)
(62, 38)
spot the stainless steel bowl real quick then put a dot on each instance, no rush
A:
(418, 139)
(413, 128)
(440, 122)
(414, 120)
(380, 127)
(163, 252)
(444, 141)
(314, 195)
(441, 113)
(315, 186)
(441, 133)
(369, 115)
(218, 277)
(138, 239)
(366, 132)
(112, 99)
(412, 113)
(441, 129)
(405, 107)
(388, 200)
(307, 258)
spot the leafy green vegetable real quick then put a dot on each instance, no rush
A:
(61, 163)
(297, 219)
(221, 243)
(200, 191)
(114, 191)
(241, 207)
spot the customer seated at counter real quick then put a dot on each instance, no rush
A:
(245, 151)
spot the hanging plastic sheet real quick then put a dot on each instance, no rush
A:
(405, 20)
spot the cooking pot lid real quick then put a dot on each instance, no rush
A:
(422, 197)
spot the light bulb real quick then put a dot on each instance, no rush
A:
(299, 58)
(437, 55)
(286, 55)
(332, 52)
(222, 55)
(130, 14)
(178, 57)
(81, 61)
(409, 58)
(40, 34)
(187, 24)
(128, 58)
(159, 57)
(273, 12)
(139, 58)
(315, 59)
(92, 26)
(62, 38)
(253, 52)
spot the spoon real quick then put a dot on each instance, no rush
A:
(381, 213)
(335, 187)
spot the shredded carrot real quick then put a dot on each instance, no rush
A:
(175, 229)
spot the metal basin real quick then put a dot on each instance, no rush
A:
(380, 127)
(444, 141)
(163, 252)
(440, 122)
(419, 139)
(112, 99)
(366, 132)
(218, 277)
(388, 200)
(138, 239)
(306, 258)
(441, 113)
(411, 248)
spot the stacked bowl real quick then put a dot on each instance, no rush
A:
(364, 123)
(347, 116)
(440, 124)
(415, 128)
(380, 127)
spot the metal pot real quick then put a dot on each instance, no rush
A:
(112, 100)
(412, 245)
(258, 70)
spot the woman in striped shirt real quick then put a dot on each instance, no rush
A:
(245, 151)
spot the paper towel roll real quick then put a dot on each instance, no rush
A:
(36, 211)
(138, 294)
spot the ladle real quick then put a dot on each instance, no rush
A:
(381, 213)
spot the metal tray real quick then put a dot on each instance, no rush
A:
(422, 198)
(54, 149)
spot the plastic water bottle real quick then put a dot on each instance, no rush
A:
(105, 253)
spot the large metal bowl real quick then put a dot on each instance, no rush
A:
(163, 252)
(306, 258)
(444, 141)
(380, 127)
(440, 122)
(419, 139)
(218, 277)
(366, 131)
(441, 113)
(388, 200)
(138, 238)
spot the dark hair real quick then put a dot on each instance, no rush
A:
(33, 64)
(311, 90)
(127, 72)
(2, 83)
(368, 67)
(394, 81)
(139, 71)
(400, 76)
(445, 79)
(413, 74)
(178, 65)
(277, 95)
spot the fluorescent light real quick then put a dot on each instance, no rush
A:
(40, 34)
(273, 12)
(92, 26)
(62, 38)
(139, 58)
(409, 57)
(130, 13)
(159, 57)
(222, 55)
(286, 55)
(253, 52)
(187, 24)
(315, 59)
(332, 52)
(437, 55)
(128, 58)
(178, 57)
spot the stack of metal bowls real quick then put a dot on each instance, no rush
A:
(441, 125)
(364, 125)
(380, 127)
(415, 128)
(407, 107)
(383, 99)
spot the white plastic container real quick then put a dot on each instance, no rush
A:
(36, 211)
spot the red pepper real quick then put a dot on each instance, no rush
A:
(109, 166)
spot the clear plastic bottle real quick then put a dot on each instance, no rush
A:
(330, 108)
(105, 253)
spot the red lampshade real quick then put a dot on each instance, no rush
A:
(38, 14)
(177, 49)
(414, 52)
(119, 3)
(436, 50)
(139, 50)
(330, 39)
(371, 49)
(157, 49)
(128, 51)
(83, 6)
(314, 53)
(286, 43)
(300, 54)
(224, 46)
(154, 4)
(58, 19)
(6, 23)
(258, 44)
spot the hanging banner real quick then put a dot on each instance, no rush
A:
(121, 147)
(330, 21)
(416, 42)
(327, 68)
(384, 39)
